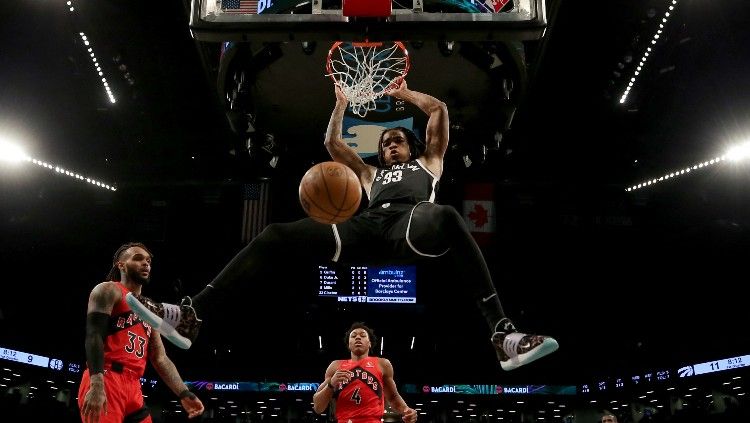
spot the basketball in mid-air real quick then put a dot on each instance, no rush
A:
(330, 192)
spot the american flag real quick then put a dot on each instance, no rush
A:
(239, 6)
(255, 199)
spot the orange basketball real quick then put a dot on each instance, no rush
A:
(330, 192)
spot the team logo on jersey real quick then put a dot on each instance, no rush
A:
(367, 378)
(405, 166)
(128, 320)
(395, 173)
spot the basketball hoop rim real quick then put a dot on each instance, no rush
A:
(400, 45)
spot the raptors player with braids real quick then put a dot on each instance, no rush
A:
(118, 344)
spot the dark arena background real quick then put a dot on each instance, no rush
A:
(596, 152)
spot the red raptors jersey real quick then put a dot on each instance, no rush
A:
(128, 337)
(362, 397)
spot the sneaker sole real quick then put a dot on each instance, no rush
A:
(547, 347)
(165, 329)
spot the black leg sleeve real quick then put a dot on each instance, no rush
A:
(304, 238)
(436, 226)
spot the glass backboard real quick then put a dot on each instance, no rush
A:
(323, 20)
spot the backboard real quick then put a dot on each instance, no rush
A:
(323, 20)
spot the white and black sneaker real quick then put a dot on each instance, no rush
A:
(178, 323)
(514, 349)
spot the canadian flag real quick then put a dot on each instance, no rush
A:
(479, 211)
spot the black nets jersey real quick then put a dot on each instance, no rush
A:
(403, 183)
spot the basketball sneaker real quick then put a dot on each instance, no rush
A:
(178, 323)
(514, 349)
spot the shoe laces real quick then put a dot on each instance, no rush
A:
(186, 305)
(511, 342)
(171, 314)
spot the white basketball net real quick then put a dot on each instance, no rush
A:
(366, 71)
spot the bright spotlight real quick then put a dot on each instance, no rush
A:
(11, 152)
(739, 152)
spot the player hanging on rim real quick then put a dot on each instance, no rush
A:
(401, 222)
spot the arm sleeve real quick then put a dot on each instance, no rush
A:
(96, 331)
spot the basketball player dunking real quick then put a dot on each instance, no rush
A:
(401, 223)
